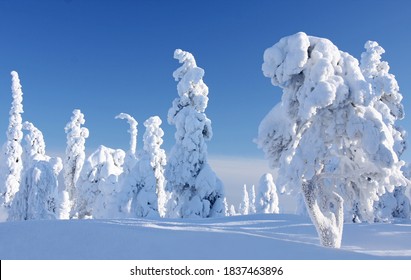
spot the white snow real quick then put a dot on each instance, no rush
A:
(239, 237)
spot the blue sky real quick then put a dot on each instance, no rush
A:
(106, 57)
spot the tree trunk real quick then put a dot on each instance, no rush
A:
(325, 208)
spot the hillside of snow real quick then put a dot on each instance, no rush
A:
(252, 237)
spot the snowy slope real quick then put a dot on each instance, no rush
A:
(239, 237)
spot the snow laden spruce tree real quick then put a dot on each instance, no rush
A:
(196, 190)
(75, 154)
(326, 135)
(12, 149)
(393, 204)
(144, 186)
(38, 195)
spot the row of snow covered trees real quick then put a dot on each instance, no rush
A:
(113, 183)
(334, 135)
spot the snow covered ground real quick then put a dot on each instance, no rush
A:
(240, 237)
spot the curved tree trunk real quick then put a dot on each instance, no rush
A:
(325, 208)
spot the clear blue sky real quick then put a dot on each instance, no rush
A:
(106, 57)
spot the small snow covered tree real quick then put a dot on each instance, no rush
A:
(75, 155)
(98, 187)
(252, 207)
(244, 207)
(37, 197)
(196, 190)
(131, 153)
(145, 185)
(232, 211)
(12, 150)
(267, 198)
(326, 134)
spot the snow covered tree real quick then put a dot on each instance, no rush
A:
(37, 197)
(75, 155)
(157, 159)
(131, 154)
(244, 207)
(232, 211)
(145, 185)
(391, 204)
(267, 198)
(326, 134)
(12, 150)
(98, 187)
(252, 197)
(196, 190)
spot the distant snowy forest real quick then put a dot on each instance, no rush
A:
(333, 138)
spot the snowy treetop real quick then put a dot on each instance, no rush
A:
(318, 73)
(385, 86)
(132, 130)
(191, 89)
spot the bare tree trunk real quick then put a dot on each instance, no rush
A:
(325, 208)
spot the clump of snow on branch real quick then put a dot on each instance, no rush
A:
(75, 153)
(12, 149)
(197, 192)
(327, 134)
(131, 154)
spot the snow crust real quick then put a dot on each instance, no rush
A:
(254, 237)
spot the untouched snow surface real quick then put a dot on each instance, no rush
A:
(239, 237)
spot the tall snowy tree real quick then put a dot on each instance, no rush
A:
(37, 197)
(326, 134)
(75, 155)
(12, 150)
(267, 198)
(145, 185)
(196, 190)
(131, 153)
(392, 204)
